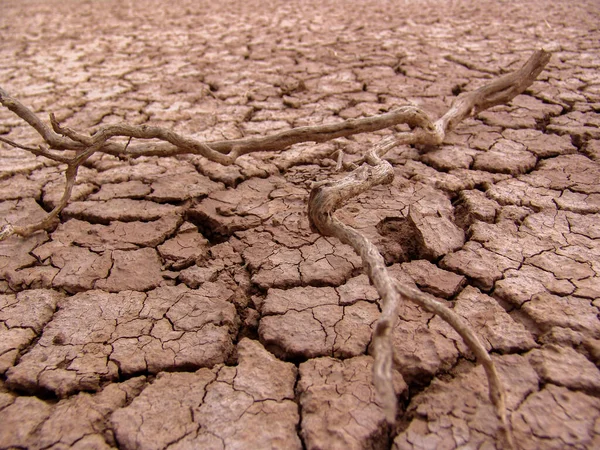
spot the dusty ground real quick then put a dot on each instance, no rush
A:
(180, 304)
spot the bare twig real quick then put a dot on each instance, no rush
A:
(325, 197)
(499, 92)
(53, 140)
(496, 390)
(328, 196)
(40, 151)
(423, 131)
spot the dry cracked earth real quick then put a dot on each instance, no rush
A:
(181, 304)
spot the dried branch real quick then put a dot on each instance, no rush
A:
(324, 199)
(499, 92)
(328, 196)
(423, 131)
(496, 390)
(223, 152)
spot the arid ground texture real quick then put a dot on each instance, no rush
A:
(183, 304)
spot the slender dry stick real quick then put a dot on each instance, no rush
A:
(224, 152)
(496, 390)
(498, 92)
(53, 140)
(325, 197)
(423, 131)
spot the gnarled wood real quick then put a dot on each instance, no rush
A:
(325, 197)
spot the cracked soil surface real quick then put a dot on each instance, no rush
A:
(179, 304)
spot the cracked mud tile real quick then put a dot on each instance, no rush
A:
(182, 186)
(356, 289)
(34, 277)
(552, 226)
(270, 264)
(231, 175)
(22, 319)
(562, 267)
(505, 239)
(15, 255)
(453, 181)
(185, 248)
(554, 364)
(548, 310)
(434, 235)
(54, 190)
(516, 192)
(339, 404)
(224, 212)
(136, 270)
(421, 350)
(145, 170)
(325, 262)
(457, 412)
(523, 112)
(430, 278)
(226, 407)
(406, 221)
(520, 285)
(473, 206)
(17, 162)
(79, 268)
(568, 181)
(226, 255)
(96, 336)
(121, 209)
(305, 322)
(576, 123)
(481, 265)
(257, 165)
(117, 270)
(20, 186)
(592, 149)
(116, 236)
(299, 322)
(497, 330)
(541, 144)
(164, 412)
(181, 328)
(15, 251)
(328, 262)
(448, 158)
(78, 422)
(275, 204)
(580, 203)
(575, 172)
(127, 189)
(505, 156)
(557, 418)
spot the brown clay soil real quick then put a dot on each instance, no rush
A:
(181, 304)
